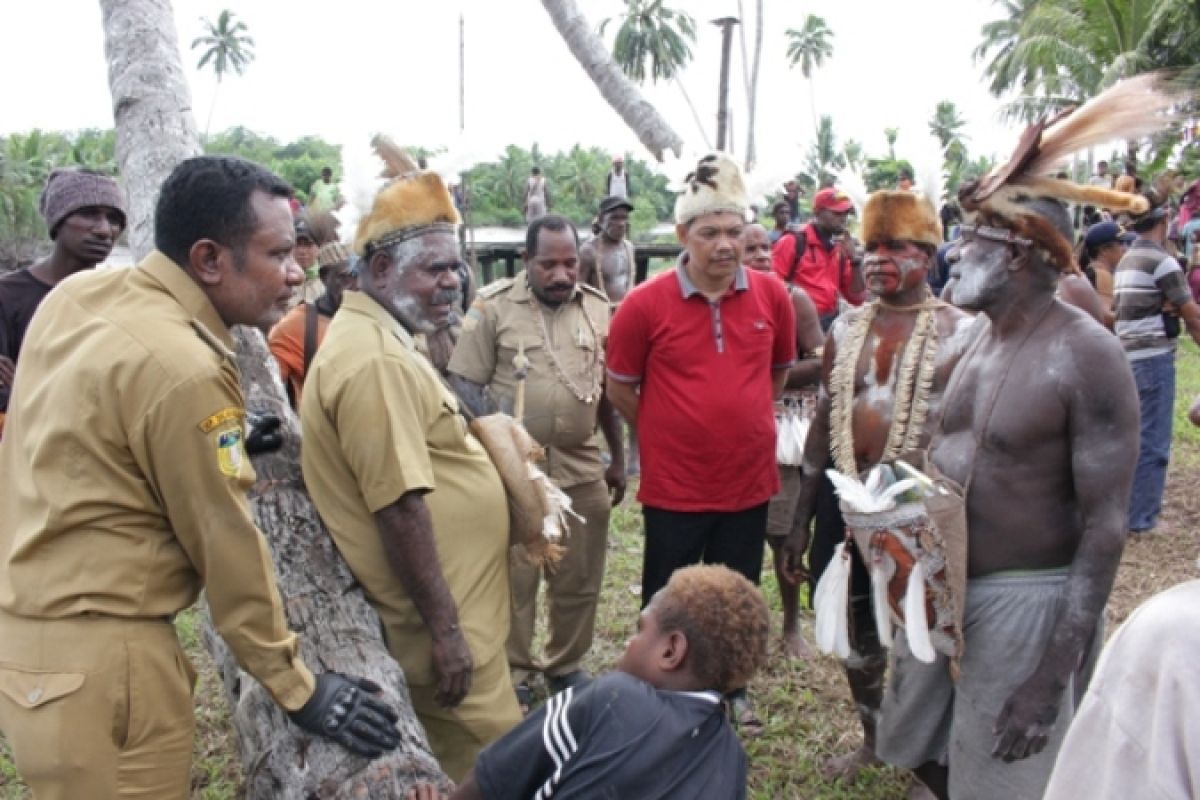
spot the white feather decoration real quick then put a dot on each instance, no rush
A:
(360, 183)
(831, 602)
(916, 623)
(879, 594)
(868, 499)
(928, 160)
(852, 183)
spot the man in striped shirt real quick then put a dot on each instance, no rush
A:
(1151, 298)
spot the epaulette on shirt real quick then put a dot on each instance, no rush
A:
(495, 287)
(482, 296)
(587, 288)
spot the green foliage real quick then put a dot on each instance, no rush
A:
(576, 181)
(1056, 53)
(809, 46)
(299, 162)
(227, 45)
(652, 40)
(823, 156)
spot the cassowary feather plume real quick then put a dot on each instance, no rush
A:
(1132, 109)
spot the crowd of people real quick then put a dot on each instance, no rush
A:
(1035, 404)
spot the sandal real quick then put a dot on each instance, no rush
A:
(524, 697)
(747, 721)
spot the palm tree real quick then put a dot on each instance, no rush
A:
(823, 156)
(809, 47)
(947, 125)
(655, 41)
(751, 76)
(642, 118)
(227, 45)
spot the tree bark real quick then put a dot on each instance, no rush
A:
(751, 77)
(338, 629)
(152, 105)
(620, 93)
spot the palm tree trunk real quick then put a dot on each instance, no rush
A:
(155, 131)
(751, 75)
(687, 98)
(812, 102)
(642, 118)
(212, 106)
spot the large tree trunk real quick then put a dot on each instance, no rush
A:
(152, 105)
(339, 630)
(645, 121)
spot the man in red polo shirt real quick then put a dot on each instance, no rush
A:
(696, 357)
(828, 264)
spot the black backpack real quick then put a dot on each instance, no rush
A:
(801, 243)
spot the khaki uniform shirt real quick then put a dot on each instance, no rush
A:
(505, 318)
(125, 472)
(379, 423)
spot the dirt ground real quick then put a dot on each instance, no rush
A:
(805, 705)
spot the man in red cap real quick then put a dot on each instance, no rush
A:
(820, 258)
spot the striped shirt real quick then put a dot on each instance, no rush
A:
(1146, 278)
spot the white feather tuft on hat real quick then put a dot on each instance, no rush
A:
(715, 186)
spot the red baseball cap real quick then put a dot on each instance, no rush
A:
(833, 199)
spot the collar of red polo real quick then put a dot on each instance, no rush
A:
(686, 288)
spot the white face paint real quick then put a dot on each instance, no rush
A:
(422, 290)
(982, 273)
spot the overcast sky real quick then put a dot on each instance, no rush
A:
(344, 69)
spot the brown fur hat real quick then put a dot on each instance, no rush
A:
(891, 215)
(406, 207)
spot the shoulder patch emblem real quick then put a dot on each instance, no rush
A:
(223, 417)
(229, 452)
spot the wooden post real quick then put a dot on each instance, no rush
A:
(726, 25)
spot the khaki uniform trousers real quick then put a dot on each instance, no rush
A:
(573, 590)
(457, 735)
(97, 707)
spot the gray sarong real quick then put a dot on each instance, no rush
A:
(927, 717)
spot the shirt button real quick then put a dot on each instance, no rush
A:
(34, 695)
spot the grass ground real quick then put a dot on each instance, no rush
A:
(805, 706)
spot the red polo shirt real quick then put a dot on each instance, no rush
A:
(824, 271)
(706, 423)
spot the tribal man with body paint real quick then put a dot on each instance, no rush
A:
(888, 410)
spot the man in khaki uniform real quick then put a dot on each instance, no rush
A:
(124, 494)
(411, 498)
(560, 325)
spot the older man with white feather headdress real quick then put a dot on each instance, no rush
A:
(1039, 423)
(412, 499)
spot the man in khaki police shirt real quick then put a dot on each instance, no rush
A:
(560, 325)
(411, 498)
(124, 494)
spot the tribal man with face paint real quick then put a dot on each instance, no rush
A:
(412, 499)
(885, 367)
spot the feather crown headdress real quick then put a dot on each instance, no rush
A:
(411, 203)
(999, 202)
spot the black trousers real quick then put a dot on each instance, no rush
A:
(677, 539)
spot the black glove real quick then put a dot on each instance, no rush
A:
(342, 709)
(264, 435)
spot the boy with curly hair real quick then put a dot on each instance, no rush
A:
(655, 728)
